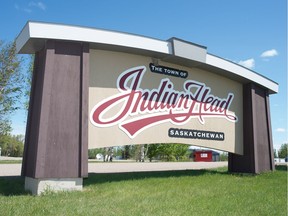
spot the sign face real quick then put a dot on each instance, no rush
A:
(133, 101)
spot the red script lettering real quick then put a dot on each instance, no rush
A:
(143, 108)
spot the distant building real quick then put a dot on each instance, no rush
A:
(205, 156)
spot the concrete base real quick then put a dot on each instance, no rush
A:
(38, 186)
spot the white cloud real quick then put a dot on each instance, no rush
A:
(27, 10)
(269, 53)
(16, 6)
(249, 63)
(30, 6)
(281, 130)
(39, 5)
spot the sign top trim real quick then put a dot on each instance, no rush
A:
(34, 34)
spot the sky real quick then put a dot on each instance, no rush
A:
(252, 33)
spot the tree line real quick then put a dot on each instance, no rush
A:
(163, 152)
(140, 153)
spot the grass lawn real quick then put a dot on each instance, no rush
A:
(10, 161)
(196, 192)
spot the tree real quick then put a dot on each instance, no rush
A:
(282, 153)
(181, 151)
(140, 153)
(11, 83)
(28, 80)
(93, 152)
(224, 156)
(152, 151)
(12, 145)
(275, 153)
(173, 152)
(168, 152)
(126, 154)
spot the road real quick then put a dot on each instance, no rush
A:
(118, 167)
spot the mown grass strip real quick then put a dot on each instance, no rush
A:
(193, 192)
(10, 161)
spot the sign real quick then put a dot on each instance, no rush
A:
(146, 103)
(168, 71)
(196, 134)
(185, 96)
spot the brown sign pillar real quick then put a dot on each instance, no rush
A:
(258, 148)
(56, 142)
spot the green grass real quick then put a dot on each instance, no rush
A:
(196, 192)
(10, 161)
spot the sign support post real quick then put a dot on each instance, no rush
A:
(258, 148)
(55, 154)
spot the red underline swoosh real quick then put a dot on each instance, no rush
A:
(133, 127)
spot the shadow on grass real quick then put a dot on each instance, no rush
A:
(281, 168)
(12, 185)
(98, 178)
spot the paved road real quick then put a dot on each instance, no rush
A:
(114, 167)
(154, 166)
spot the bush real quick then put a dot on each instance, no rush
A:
(168, 158)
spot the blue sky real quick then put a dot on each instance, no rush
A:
(249, 32)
